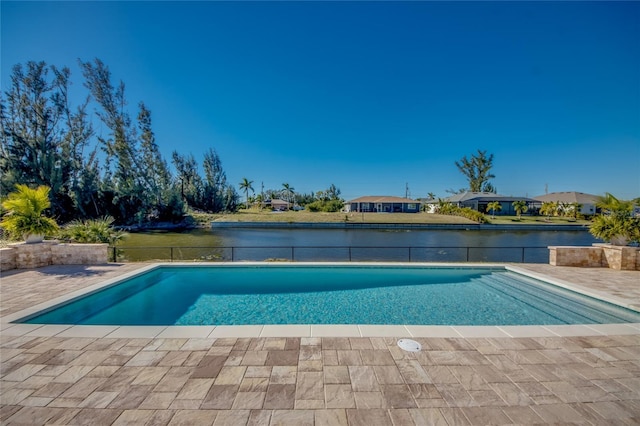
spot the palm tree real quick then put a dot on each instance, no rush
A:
(493, 206)
(549, 208)
(25, 212)
(431, 196)
(246, 186)
(611, 205)
(520, 206)
(574, 210)
(288, 189)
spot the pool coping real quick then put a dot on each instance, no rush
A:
(311, 330)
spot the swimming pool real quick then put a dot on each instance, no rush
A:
(292, 294)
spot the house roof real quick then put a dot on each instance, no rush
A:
(278, 201)
(569, 197)
(383, 199)
(484, 196)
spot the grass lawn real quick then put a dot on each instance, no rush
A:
(306, 216)
(536, 220)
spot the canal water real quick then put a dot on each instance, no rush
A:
(348, 244)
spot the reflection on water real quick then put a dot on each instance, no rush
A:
(428, 245)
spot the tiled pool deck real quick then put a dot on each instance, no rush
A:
(333, 375)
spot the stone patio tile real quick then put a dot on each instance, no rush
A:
(220, 397)
(134, 417)
(254, 358)
(193, 417)
(195, 389)
(412, 372)
(230, 375)
(158, 400)
(209, 367)
(556, 413)
(486, 415)
(365, 400)
(95, 416)
(456, 395)
(259, 417)
(336, 374)
(511, 394)
(454, 416)
(613, 410)
(401, 416)
(83, 387)
(52, 390)
(310, 366)
(283, 375)
(254, 384)
(349, 357)
(427, 416)
(334, 343)
(280, 396)
(486, 398)
(523, 415)
(330, 417)
(274, 343)
(36, 415)
(98, 400)
(330, 357)
(376, 357)
(249, 400)
(309, 404)
(363, 379)
(292, 417)
(65, 402)
(197, 344)
(146, 359)
(398, 396)
(232, 418)
(339, 396)
(23, 373)
(150, 376)
(253, 371)
(309, 385)
(378, 417)
(36, 401)
(282, 357)
(131, 398)
(310, 353)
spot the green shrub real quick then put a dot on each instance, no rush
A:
(329, 206)
(24, 212)
(92, 231)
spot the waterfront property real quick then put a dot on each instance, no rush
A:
(382, 204)
(479, 201)
(586, 201)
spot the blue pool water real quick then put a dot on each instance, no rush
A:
(235, 295)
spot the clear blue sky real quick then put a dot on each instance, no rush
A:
(368, 95)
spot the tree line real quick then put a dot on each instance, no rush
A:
(46, 140)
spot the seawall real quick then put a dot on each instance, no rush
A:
(421, 226)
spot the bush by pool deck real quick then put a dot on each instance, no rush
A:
(463, 375)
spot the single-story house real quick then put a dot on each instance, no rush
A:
(382, 204)
(278, 204)
(479, 201)
(588, 201)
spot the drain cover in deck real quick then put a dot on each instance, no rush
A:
(409, 345)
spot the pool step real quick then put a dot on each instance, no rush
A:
(567, 307)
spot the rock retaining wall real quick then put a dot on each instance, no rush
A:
(23, 256)
(596, 256)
